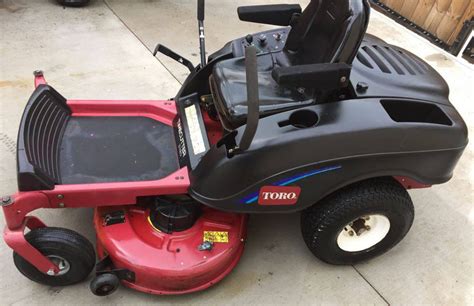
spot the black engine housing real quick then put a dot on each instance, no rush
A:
(397, 121)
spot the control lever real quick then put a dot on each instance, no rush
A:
(170, 53)
(253, 108)
(202, 48)
(202, 38)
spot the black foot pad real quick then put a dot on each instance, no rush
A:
(116, 149)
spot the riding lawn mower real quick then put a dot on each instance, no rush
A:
(313, 117)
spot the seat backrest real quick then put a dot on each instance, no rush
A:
(328, 31)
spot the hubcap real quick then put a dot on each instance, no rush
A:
(62, 264)
(363, 233)
(106, 288)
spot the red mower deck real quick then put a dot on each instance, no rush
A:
(171, 263)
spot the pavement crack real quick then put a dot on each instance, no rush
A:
(141, 41)
(372, 286)
(8, 143)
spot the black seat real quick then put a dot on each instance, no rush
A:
(327, 31)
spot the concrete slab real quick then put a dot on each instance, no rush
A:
(433, 264)
(174, 24)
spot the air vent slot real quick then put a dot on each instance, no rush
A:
(399, 57)
(390, 60)
(364, 60)
(413, 111)
(378, 61)
(417, 64)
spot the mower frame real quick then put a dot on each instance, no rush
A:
(17, 207)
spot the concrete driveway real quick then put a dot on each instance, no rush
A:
(103, 52)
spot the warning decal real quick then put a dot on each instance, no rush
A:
(214, 236)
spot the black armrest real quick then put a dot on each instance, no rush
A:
(322, 77)
(276, 14)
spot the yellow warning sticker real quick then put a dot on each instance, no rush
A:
(214, 236)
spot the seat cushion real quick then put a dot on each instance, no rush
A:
(228, 84)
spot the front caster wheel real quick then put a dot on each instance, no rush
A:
(73, 253)
(358, 222)
(104, 284)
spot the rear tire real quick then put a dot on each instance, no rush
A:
(72, 252)
(358, 222)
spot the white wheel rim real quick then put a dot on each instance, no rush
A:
(62, 264)
(363, 233)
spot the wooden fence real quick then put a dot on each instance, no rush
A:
(444, 19)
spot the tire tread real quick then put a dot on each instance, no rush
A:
(317, 220)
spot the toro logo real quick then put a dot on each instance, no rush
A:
(279, 195)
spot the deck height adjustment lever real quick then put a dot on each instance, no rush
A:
(202, 48)
(170, 53)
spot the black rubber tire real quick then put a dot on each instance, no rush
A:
(322, 223)
(104, 284)
(68, 244)
(74, 3)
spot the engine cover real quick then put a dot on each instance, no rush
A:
(389, 71)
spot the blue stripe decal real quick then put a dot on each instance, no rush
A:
(250, 198)
(290, 180)
(305, 175)
(254, 199)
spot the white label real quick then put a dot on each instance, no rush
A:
(194, 130)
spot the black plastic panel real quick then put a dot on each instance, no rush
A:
(390, 60)
(41, 130)
(351, 141)
(392, 72)
(184, 129)
(274, 41)
(412, 111)
(323, 147)
(275, 14)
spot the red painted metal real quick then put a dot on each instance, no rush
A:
(39, 79)
(34, 222)
(171, 263)
(410, 183)
(92, 195)
(23, 203)
(162, 111)
(72, 196)
(15, 239)
(120, 193)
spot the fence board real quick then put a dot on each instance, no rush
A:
(442, 18)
